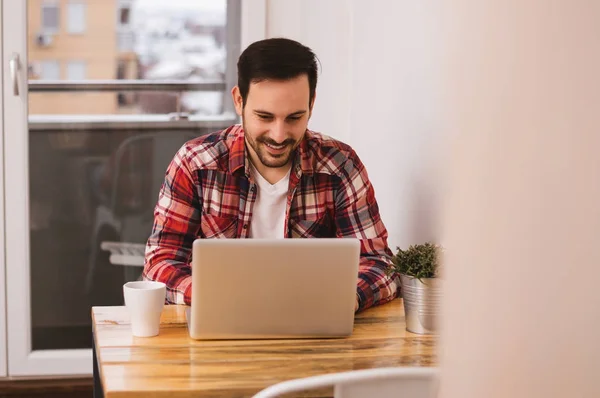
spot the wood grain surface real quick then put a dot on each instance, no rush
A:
(173, 365)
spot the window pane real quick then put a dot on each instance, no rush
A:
(49, 70)
(92, 190)
(50, 15)
(76, 70)
(155, 40)
(76, 18)
(124, 16)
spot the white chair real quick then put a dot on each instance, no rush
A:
(381, 383)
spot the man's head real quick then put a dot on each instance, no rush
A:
(277, 81)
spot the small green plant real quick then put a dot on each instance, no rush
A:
(418, 261)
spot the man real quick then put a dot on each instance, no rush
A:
(271, 177)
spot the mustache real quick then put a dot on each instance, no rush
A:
(269, 141)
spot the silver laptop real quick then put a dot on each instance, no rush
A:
(268, 289)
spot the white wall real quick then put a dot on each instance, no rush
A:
(521, 305)
(393, 117)
(325, 27)
(377, 92)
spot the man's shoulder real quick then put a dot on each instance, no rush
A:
(328, 155)
(210, 151)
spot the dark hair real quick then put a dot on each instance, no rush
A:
(276, 59)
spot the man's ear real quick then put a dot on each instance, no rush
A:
(238, 101)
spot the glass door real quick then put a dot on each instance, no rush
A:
(101, 96)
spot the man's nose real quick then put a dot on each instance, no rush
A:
(278, 132)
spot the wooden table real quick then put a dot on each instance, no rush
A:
(173, 365)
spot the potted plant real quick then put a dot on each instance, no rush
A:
(419, 267)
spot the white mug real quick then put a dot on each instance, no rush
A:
(144, 301)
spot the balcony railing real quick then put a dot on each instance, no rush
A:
(176, 120)
(37, 86)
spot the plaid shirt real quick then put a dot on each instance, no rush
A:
(209, 193)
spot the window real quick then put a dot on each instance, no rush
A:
(76, 70)
(76, 17)
(49, 70)
(50, 17)
(124, 16)
(121, 70)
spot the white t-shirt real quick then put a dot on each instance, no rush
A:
(268, 213)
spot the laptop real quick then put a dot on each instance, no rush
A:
(273, 288)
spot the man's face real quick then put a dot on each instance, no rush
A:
(275, 119)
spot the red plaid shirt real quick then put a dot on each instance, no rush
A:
(209, 193)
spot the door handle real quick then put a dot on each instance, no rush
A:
(14, 73)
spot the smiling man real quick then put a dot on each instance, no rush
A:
(271, 177)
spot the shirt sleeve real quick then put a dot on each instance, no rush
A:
(357, 216)
(176, 226)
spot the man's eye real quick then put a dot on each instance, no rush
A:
(294, 117)
(265, 117)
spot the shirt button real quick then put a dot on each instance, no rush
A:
(245, 226)
(253, 189)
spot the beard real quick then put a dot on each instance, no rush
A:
(270, 152)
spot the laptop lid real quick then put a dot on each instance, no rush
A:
(273, 288)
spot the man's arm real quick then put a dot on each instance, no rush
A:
(357, 216)
(176, 226)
